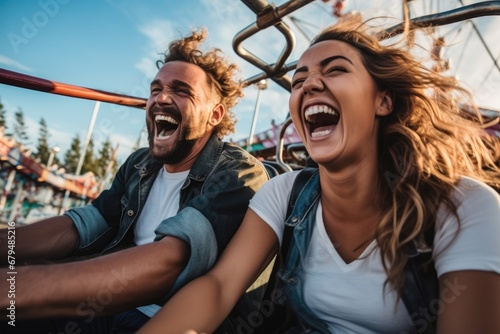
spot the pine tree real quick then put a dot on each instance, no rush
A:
(3, 122)
(20, 128)
(89, 163)
(72, 155)
(43, 149)
(104, 158)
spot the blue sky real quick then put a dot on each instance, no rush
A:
(113, 45)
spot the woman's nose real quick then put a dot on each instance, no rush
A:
(313, 83)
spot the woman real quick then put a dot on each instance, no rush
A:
(397, 158)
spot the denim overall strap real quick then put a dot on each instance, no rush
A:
(302, 220)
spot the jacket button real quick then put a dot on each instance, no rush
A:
(294, 219)
(130, 213)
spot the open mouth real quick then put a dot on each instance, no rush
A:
(165, 126)
(321, 120)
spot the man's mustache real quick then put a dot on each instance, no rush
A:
(170, 110)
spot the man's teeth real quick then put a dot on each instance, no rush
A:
(317, 134)
(163, 135)
(313, 110)
(165, 118)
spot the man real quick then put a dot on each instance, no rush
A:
(179, 202)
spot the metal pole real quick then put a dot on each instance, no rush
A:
(82, 153)
(8, 186)
(53, 152)
(17, 203)
(261, 85)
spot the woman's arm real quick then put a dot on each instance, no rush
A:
(204, 303)
(469, 303)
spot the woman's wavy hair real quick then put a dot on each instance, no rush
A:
(220, 72)
(433, 136)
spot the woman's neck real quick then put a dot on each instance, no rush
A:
(351, 193)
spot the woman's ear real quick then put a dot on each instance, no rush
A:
(384, 103)
(218, 113)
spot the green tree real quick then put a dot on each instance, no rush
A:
(2, 117)
(105, 155)
(89, 161)
(20, 128)
(43, 149)
(72, 155)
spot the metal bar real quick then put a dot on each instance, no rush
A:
(30, 82)
(476, 29)
(256, 6)
(486, 8)
(281, 143)
(268, 15)
(271, 70)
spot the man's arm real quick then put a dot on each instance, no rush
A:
(469, 302)
(99, 286)
(49, 239)
(204, 302)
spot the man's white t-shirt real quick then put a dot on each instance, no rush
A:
(349, 297)
(162, 203)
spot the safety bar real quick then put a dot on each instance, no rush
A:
(268, 15)
(487, 8)
(30, 82)
(467, 12)
(281, 143)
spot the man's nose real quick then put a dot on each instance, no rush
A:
(163, 97)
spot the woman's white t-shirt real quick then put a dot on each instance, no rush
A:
(349, 297)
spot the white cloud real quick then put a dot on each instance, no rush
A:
(159, 33)
(11, 62)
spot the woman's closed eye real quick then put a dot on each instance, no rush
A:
(335, 69)
(296, 83)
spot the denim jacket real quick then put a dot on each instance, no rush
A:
(213, 202)
(302, 219)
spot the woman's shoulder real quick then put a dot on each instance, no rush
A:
(472, 192)
(283, 180)
(456, 245)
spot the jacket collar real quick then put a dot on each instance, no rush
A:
(202, 166)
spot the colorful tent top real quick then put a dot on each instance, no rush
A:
(85, 185)
(268, 138)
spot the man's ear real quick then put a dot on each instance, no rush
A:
(384, 103)
(218, 113)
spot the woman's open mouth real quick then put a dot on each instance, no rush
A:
(321, 120)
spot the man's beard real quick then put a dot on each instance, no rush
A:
(179, 152)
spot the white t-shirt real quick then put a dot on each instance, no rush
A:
(349, 296)
(162, 203)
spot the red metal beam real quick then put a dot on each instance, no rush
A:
(30, 82)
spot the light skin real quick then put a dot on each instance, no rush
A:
(130, 276)
(347, 157)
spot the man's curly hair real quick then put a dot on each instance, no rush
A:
(220, 73)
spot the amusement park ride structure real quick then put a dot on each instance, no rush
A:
(273, 144)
